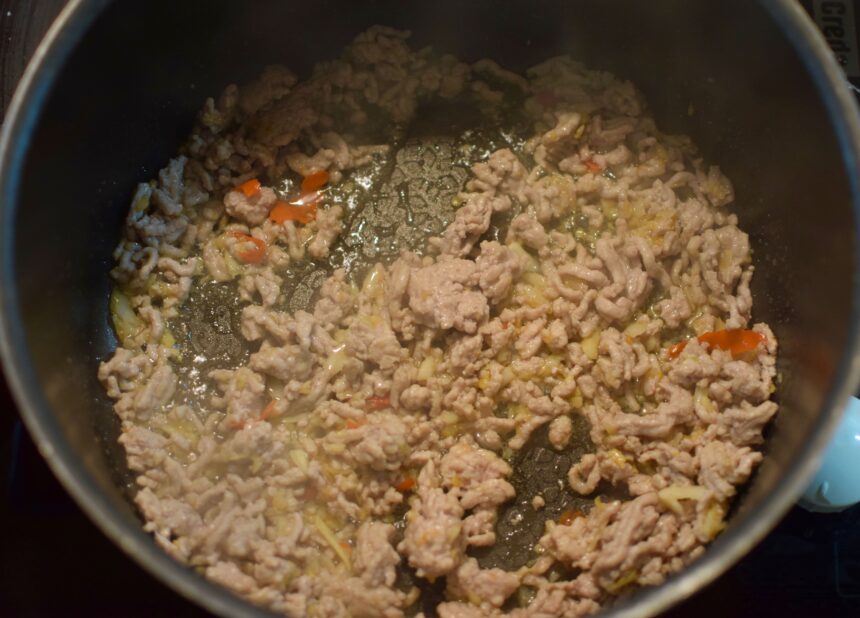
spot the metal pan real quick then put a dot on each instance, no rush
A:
(115, 85)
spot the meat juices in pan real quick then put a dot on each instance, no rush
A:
(414, 335)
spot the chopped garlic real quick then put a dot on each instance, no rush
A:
(617, 457)
(336, 360)
(449, 418)
(637, 328)
(590, 345)
(536, 280)
(300, 458)
(713, 521)
(126, 322)
(530, 264)
(623, 581)
(701, 400)
(671, 496)
(426, 368)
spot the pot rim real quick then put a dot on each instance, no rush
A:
(22, 115)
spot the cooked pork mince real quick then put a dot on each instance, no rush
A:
(414, 336)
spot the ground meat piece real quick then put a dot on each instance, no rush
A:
(551, 197)
(745, 422)
(563, 132)
(167, 195)
(500, 335)
(621, 539)
(543, 408)
(416, 397)
(479, 585)
(230, 576)
(559, 599)
(460, 610)
(336, 300)
(124, 371)
(575, 542)
(244, 536)
(333, 156)
(259, 322)
(672, 463)
(288, 362)
(464, 400)
(176, 268)
(524, 227)
(676, 409)
(477, 473)
(154, 393)
(491, 492)
(168, 517)
(584, 273)
(479, 528)
(502, 172)
(465, 351)
(530, 340)
(555, 335)
(560, 430)
(254, 439)
(441, 296)
(489, 439)
(675, 309)
(615, 537)
(253, 209)
(497, 266)
(309, 334)
(374, 557)
(328, 228)
(696, 363)
(584, 475)
(265, 283)
(620, 361)
(144, 448)
(380, 443)
(434, 541)
(721, 253)
(630, 284)
(244, 395)
(368, 602)
(723, 466)
(471, 221)
(742, 380)
(371, 339)
(215, 262)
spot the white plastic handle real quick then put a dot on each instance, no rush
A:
(836, 486)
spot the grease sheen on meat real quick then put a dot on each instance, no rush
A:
(370, 434)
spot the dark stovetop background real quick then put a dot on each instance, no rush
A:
(54, 562)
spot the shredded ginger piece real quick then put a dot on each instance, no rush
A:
(332, 540)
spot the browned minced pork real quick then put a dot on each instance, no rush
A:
(447, 295)
(252, 210)
(408, 388)
(433, 543)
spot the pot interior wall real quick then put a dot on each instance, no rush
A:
(127, 97)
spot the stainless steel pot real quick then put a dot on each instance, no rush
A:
(112, 91)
